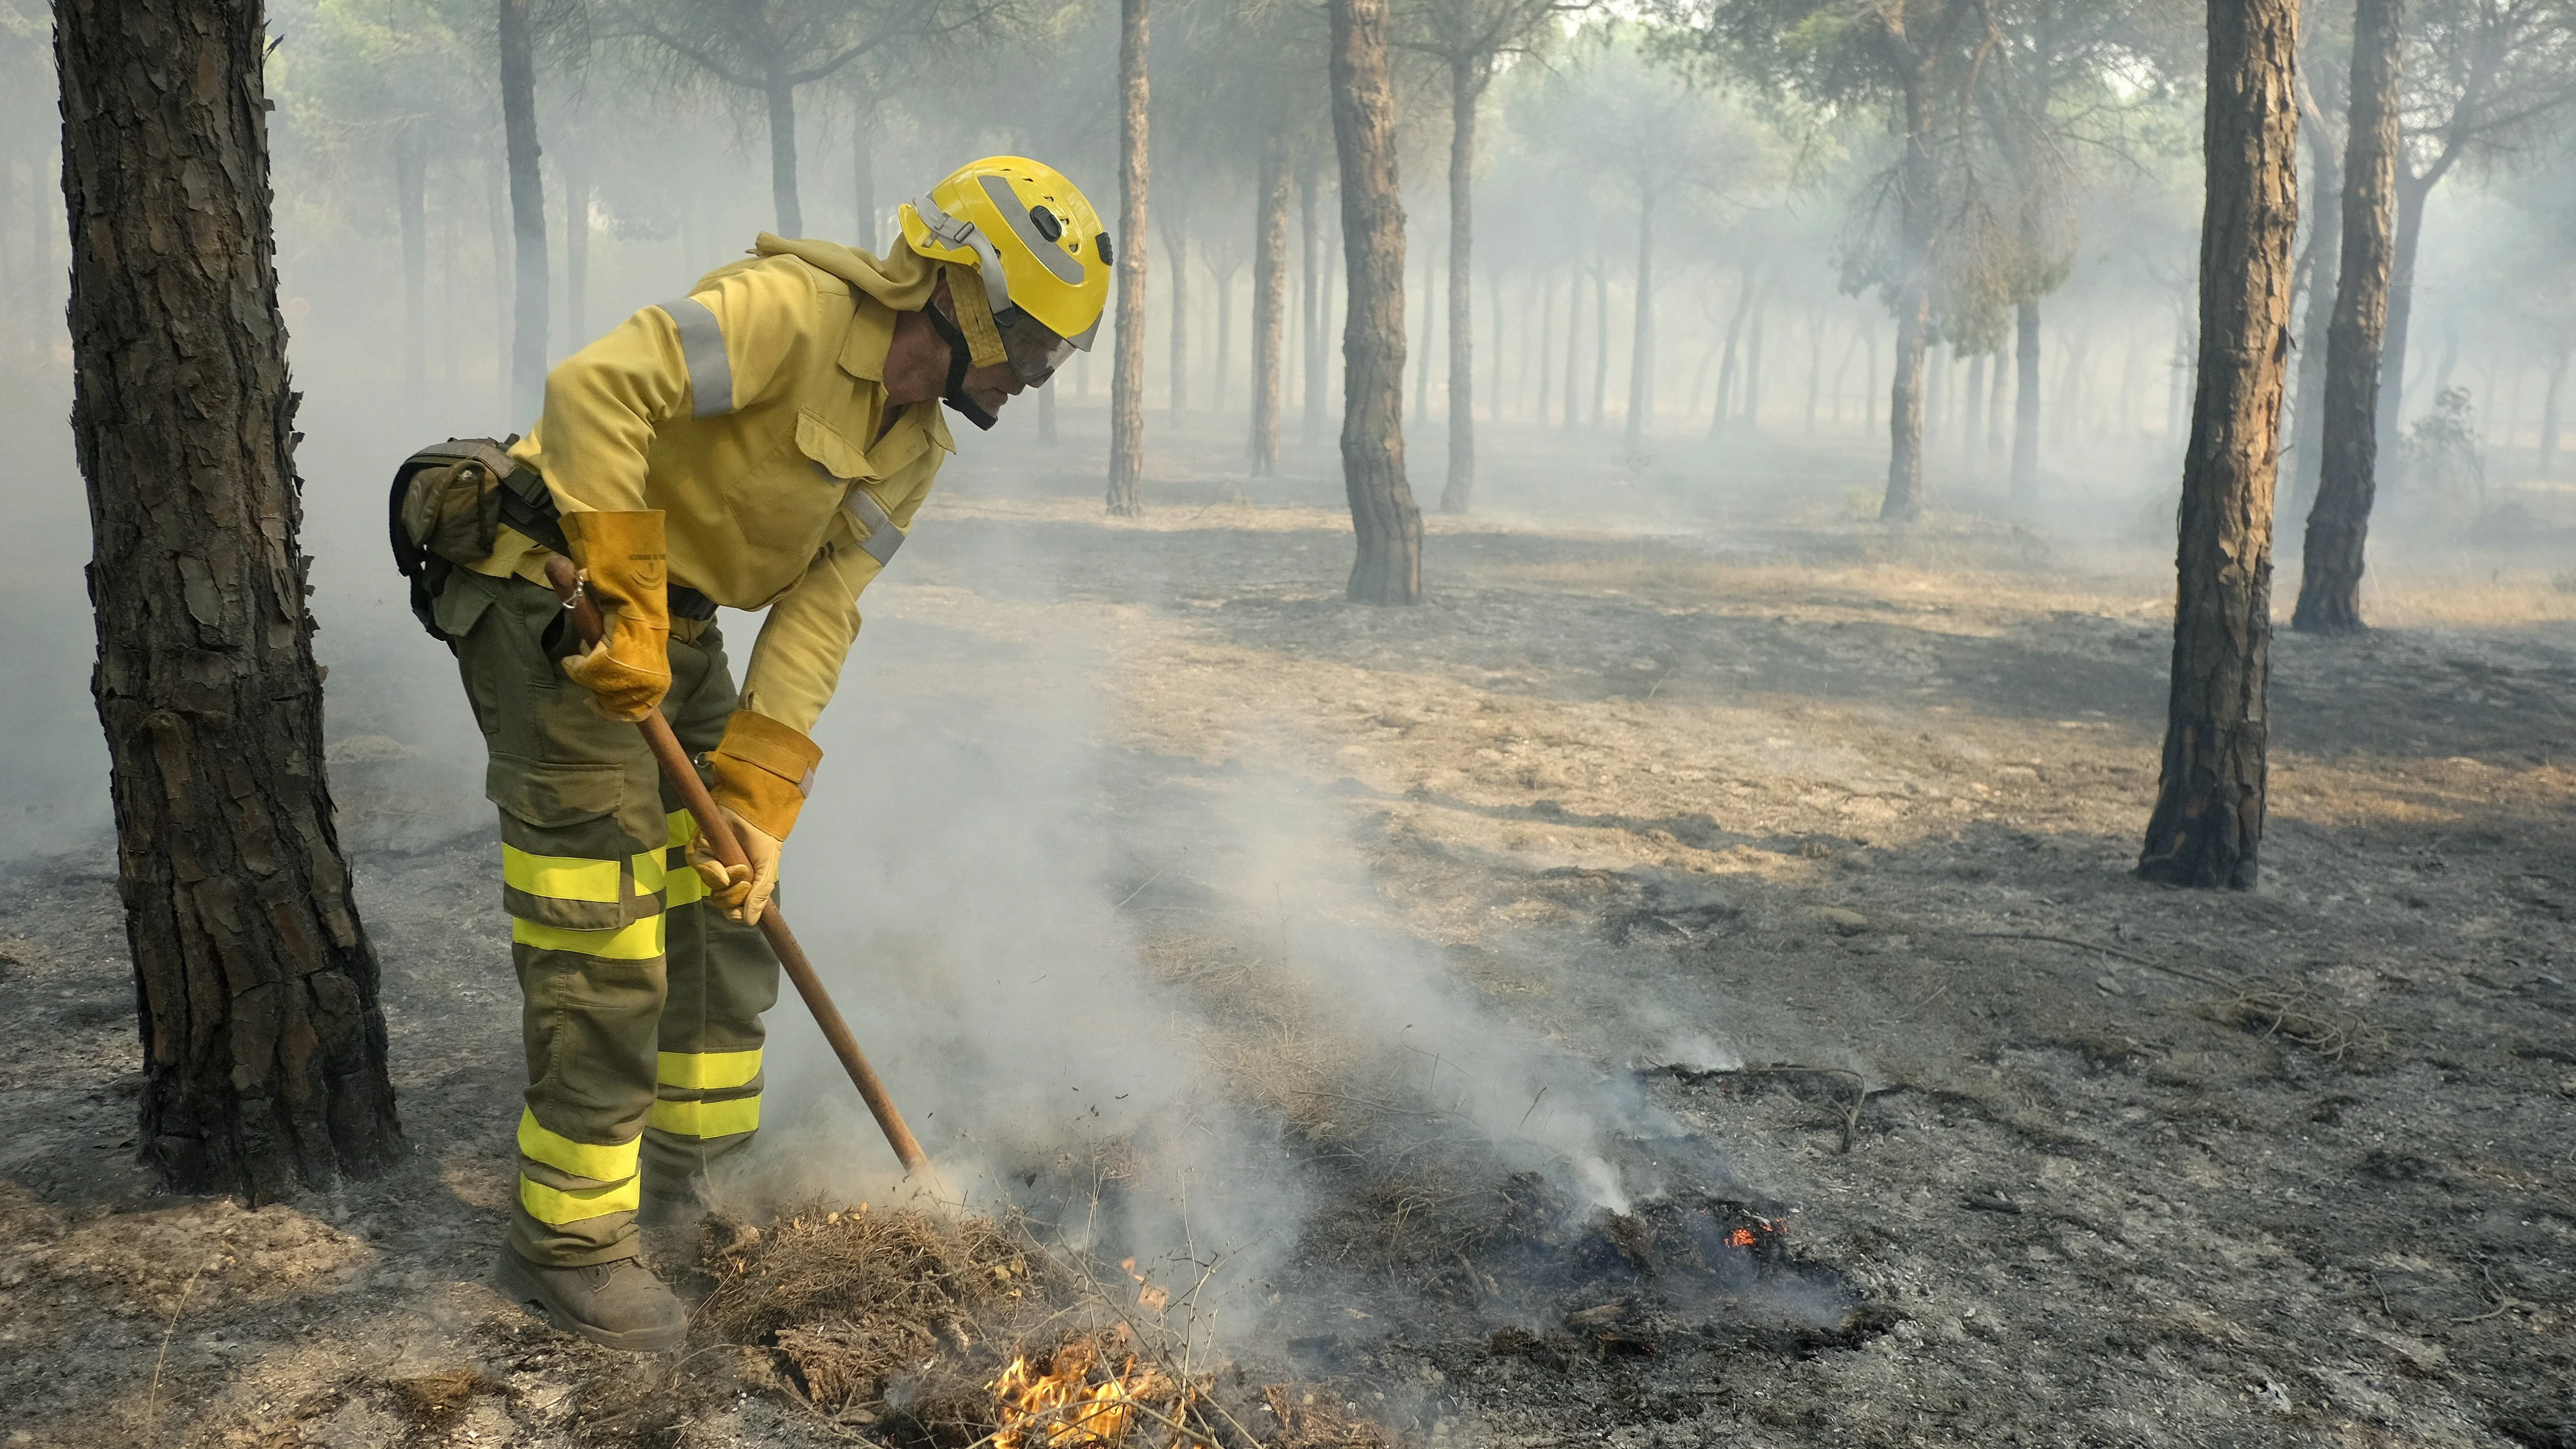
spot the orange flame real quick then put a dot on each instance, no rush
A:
(1062, 1408)
(1740, 1238)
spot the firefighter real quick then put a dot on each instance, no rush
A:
(762, 443)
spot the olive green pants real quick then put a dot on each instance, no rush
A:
(641, 1004)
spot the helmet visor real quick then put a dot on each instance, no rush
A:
(1034, 350)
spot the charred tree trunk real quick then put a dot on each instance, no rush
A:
(411, 203)
(781, 95)
(264, 1045)
(527, 210)
(2208, 822)
(1269, 305)
(1127, 372)
(2025, 448)
(2339, 522)
(1466, 88)
(1389, 526)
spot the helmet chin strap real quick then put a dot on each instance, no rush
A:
(960, 358)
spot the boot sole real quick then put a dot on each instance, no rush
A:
(513, 1281)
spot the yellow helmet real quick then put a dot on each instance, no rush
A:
(1037, 242)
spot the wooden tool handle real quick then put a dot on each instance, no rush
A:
(674, 762)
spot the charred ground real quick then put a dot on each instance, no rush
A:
(1811, 840)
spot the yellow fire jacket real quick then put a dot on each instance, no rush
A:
(750, 413)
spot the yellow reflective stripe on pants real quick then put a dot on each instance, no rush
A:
(600, 1161)
(727, 1118)
(558, 1205)
(639, 942)
(682, 826)
(708, 1071)
(684, 886)
(650, 869)
(562, 877)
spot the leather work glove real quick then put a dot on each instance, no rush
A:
(623, 565)
(763, 771)
(742, 892)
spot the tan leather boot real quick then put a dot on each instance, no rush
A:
(618, 1305)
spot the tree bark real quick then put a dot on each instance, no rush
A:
(1466, 88)
(411, 203)
(2339, 522)
(1641, 343)
(1176, 243)
(2325, 246)
(1317, 295)
(1911, 298)
(781, 95)
(1573, 348)
(2412, 193)
(1127, 373)
(2207, 828)
(1904, 500)
(527, 210)
(1546, 345)
(1270, 304)
(264, 1044)
(2025, 448)
(1388, 569)
(1974, 425)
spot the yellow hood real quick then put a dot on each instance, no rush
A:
(902, 279)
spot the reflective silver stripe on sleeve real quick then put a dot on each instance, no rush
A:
(883, 537)
(702, 346)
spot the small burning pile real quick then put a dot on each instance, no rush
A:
(1072, 1399)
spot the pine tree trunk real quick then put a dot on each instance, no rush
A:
(2412, 193)
(1975, 424)
(2325, 246)
(411, 204)
(1641, 343)
(1176, 243)
(2207, 828)
(1904, 500)
(1317, 296)
(1573, 348)
(1269, 304)
(527, 211)
(781, 94)
(1388, 569)
(1466, 87)
(2025, 448)
(1546, 346)
(264, 1044)
(2339, 521)
(1127, 372)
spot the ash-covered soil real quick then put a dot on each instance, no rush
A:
(1807, 843)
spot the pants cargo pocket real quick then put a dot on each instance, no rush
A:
(570, 860)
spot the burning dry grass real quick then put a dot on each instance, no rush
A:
(961, 1332)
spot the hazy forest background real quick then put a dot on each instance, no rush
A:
(1679, 293)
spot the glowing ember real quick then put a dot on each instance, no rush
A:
(1740, 1238)
(1065, 1408)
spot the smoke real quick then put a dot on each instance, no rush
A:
(1148, 1001)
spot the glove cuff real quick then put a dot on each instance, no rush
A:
(764, 770)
